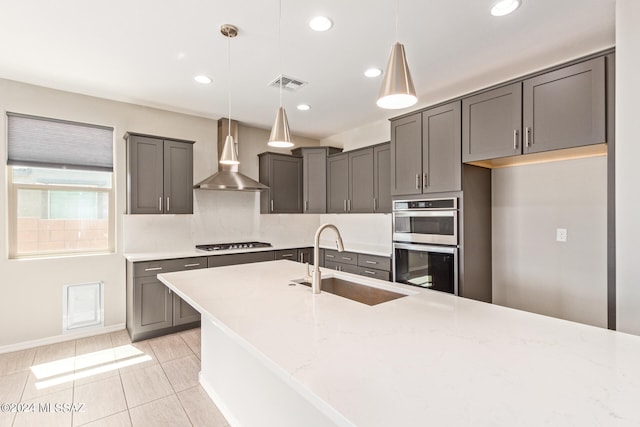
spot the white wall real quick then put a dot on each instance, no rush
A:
(627, 170)
(31, 303)
(533, 272)
(372, 133)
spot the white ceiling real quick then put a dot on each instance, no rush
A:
(147, 51)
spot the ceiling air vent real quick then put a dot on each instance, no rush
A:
(288, 83)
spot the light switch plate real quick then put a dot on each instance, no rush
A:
(561, 235)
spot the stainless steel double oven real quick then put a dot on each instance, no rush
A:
(425, 243)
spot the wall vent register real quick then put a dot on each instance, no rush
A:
(227, 246)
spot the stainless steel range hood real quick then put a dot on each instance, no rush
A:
(228, 178)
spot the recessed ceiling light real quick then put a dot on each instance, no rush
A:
(505, 7)
(205, 80)
(373, 72)
(320, 23)
(304, 107)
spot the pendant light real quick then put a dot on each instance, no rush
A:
(280, 135)
(229, 154)
(397, 89)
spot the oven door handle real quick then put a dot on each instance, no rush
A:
(409, 214)
(426, 248)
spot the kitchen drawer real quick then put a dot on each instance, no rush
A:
(372, 272)
(341, 257)
(244, 258)
(374, 261)
(290, 254)
(151, 268)
(338, 266)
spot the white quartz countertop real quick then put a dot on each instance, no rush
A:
(350, 247)
(426, 359)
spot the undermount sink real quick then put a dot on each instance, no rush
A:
(354, 291)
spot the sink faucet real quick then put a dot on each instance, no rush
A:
(315, 284)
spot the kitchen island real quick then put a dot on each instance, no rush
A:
(275, 354)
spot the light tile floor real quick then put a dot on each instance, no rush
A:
(117, 383)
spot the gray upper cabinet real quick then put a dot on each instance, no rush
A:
(351, 182)
(178, 177)
(425, 151)
(565, 108)
(406, 155)
(441, 159)
(159, 175)
(491, 124)
(283, 174)
(382, 178)
(360, 181)
(314, 177)
(337, 183)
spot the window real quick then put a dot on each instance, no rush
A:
(61, 198)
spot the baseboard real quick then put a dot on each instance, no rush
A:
(61, 338)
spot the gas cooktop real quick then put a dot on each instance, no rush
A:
(226, 246)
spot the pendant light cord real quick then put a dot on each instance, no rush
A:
(397, 14)
(280, 45)
(229, 82)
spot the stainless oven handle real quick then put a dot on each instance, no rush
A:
(408, 214)
(426, 248)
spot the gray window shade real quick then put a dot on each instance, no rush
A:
(37, 141)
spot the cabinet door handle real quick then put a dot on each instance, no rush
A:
(168, 203)
(301, 257)
(527, 137)
(515, 139)
(371, 262)
(160, 203)
(271, 205)
(374, 204)
(345, 205)
(191, 265)
(373, 273)
(306, 206)
(153, 269)
(417, 181)
(348, 205)
(169, 291)
(425, 180)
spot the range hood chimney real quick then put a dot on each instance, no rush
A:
(228, 177)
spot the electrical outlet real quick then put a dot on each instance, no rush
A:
(561, 234)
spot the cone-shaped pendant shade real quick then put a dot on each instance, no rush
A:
(280, 136)
(229, 155)
(397, 89)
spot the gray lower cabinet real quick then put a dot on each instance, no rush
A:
(159, 175)
(289, 254)
(314, 177)
(362, 264)
(243, 258)
(560, 109)
(152, 309)
(425, 152)
(282, 173)
(351, 182)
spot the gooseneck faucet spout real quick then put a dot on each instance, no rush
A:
(315, 284)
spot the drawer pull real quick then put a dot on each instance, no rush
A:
(329, 256)
(371, 262)
(373, 273)
(346, 258)
(153, 269)
(191, 265)
(287, 255)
